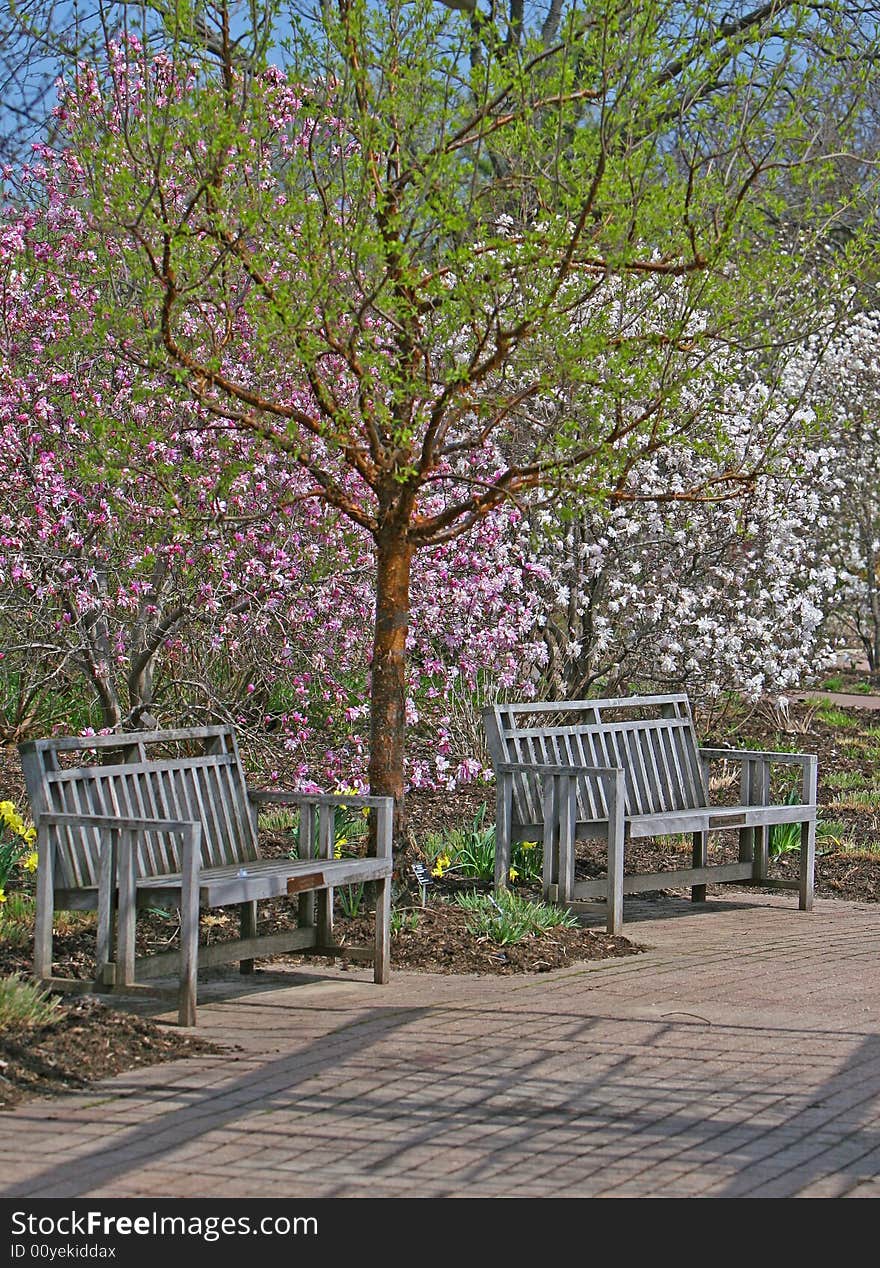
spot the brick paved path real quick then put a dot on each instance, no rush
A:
(739, 1056)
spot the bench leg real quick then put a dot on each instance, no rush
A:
(748, 790)
(502, 830)
(45, 913)
(699, 858)
(761, 860)
(324, 905)
(616, 842)
(105, 966)
(808, 865)
(305, 910)
(808, 837)
(382, 957)
(127, 913)
(562, 828)
(189, 931)
(247, 915)
(550, 840)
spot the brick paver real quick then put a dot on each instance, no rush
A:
(739, 1056)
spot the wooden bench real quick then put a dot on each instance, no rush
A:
(629, 768)
(165, 819)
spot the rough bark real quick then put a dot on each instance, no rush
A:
(388, 681)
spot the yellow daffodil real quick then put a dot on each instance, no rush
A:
(441, 865)
(30, 862)
(2, 896)
(14, 822)
(513, 873)
(529, 845)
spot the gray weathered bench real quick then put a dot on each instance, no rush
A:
(166, 819)
(629, 768)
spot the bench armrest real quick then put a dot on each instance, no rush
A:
(384, 807)
(117, 871)
(755, 779)
(278, 797)
(752, 754)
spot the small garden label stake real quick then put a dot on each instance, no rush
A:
(423, 876)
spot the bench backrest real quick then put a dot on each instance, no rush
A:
(652, 738)
(193, 774)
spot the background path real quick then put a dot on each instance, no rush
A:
(852, 700)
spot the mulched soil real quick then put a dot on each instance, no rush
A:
(91, 1040)
(441, 943)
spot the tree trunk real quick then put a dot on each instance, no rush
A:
(388, 680)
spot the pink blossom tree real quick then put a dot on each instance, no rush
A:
(226, 594)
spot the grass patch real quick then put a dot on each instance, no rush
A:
(23, 1003)
(857, 799)
(844, 779)
(506, 917)
(785, 744)
(860, 748)
(867, 850)
(278, 819)
(832, 716)
(839, 684)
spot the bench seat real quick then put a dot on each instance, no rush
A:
(225, 887)
(719, 818)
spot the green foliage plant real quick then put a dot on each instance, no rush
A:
(829, 832)
(844, 779)
(17, 919)
(350, 899)
(470, 852)
(403, 921)
(785, 838)
(23, 1004)
(508, 917)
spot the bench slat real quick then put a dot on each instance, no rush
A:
(634, 765)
